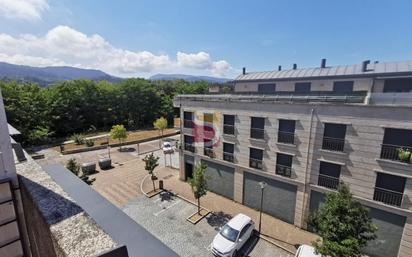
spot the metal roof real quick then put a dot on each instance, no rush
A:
(372, 70)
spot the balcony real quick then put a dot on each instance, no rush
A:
(333, 144)
(328, 181)
(228, 129)
(255, 163)
(209, 152)
(228, 157)
(388, 196)
(257, 133)
(188, 123)
(190, 148)
(286, 137)
(391, 152)
(283, 170)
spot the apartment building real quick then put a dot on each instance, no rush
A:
(304, 131)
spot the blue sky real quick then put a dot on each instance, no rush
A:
(141, 38)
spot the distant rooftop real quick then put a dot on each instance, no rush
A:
(403, 68)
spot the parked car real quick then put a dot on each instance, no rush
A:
(232, 236)
(306, 251)
(167, 148)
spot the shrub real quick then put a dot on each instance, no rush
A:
(78, 139)
(404, 155)
(89, 142)
(73, 166)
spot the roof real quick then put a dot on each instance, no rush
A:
(12, 130)
(239, 221)
(373, 69)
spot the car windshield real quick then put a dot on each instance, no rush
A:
(229, 233)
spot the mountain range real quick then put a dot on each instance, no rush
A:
(190, 78)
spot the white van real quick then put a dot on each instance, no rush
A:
(306, 251)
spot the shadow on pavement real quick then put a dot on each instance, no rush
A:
(166, 196)
(250, 244)
(218, 219)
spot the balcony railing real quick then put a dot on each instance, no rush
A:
(286, 137)
(283, 170)
(255, 163)
(188, 123)
(391, 152)
(190, 148)
(209, 152)
(228, 157)
(228, 129)
(333, 144)
(257, 133)
(328, 181)
(388, 196)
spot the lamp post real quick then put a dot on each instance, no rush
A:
(262, 185)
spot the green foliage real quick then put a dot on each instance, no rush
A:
(404, 155)
(160, 124)
(151, 162)
(118, 132)
(40, 135)
(73, 166)
(78, 139)
(198, 183)
(89, 142)
(86, 179)
(344, 225)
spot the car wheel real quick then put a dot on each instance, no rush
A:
(234, 253)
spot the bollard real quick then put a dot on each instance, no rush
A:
(161, 184)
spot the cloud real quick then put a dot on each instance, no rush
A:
(63, 45)
(30, 10)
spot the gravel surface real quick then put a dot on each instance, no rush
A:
(165, 217)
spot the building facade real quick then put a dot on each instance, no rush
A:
(304, 131)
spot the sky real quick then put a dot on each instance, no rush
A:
(213, 37)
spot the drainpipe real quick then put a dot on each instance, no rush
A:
(307, 167)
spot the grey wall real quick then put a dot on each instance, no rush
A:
(220, 179)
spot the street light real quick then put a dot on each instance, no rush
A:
(262, 185)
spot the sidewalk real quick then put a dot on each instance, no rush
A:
(284, 234)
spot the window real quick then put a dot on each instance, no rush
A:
(286, 133)
(267, 88)
(208, 148)
(389, 189)
(208, 124)
(302, 87)
(393, 141)
(398, 85)
(244, 230)
(284, 164)
(334, 137)
(189, 144)
(255, 158)
(257, 129)
(329, 174)
(343, 87)
(188, 119)
(228, 150)
(229, 124)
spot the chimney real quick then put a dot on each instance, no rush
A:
(279, 68)
(295, 66)
(323, 63)
(244, 70)
(365, 65)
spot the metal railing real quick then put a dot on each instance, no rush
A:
(391, 152)
(228, 157)
(190, 147)
(328, 181)
(188, 123)
(388, 196)
(255, 163)
(228, 129)
(257, 133)
(286, 137)
(333, 144)
(209, 152)
(283, 170)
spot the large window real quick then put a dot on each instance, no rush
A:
(256, 158)
(389, 189)
(257, 129)
(394, 142)
(334, 137)
(343, 87)
(188, 144)
(398, 85)
(302, 87)
(329, 174)
(267, 88)
(228, 150)
(229, 124)
(188, 119)
(286, 133)
(208, 148)
(284, 164)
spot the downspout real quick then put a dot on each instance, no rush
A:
(307, 167)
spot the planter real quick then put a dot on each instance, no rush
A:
(404, 155)
(105, 163)
(88, 168)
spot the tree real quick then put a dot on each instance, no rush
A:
(118, 132)
(344, 225)
(151, 162)
(160, 124)
(198, 183)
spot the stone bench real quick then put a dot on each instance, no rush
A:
(89, 168)
(105, 163)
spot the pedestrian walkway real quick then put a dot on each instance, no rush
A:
(282, 233)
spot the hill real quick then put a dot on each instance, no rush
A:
(189, 78)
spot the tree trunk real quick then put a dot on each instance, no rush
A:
(198, 206)
(154, 188)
